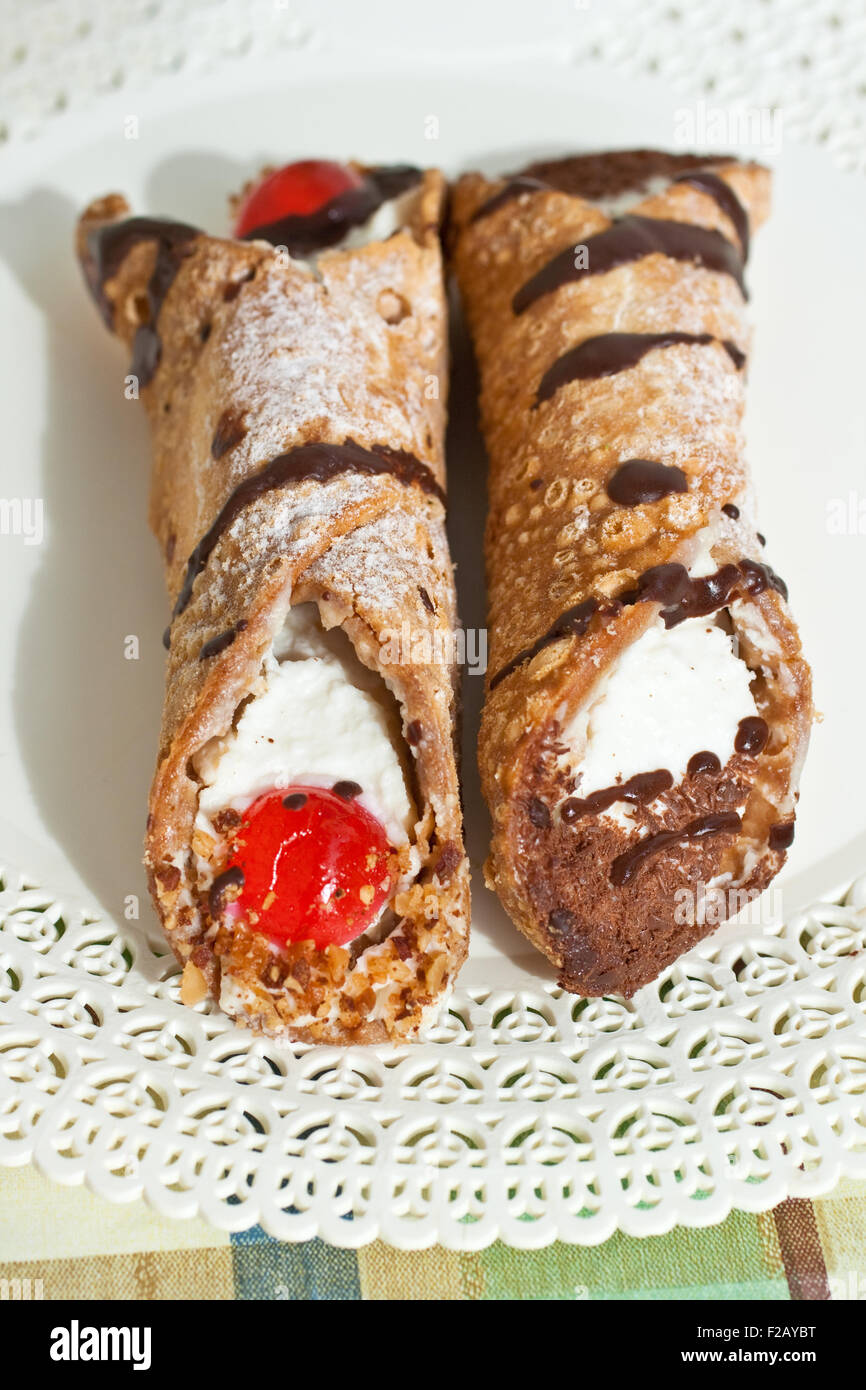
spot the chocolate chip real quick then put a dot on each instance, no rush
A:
(782, 835)
(347, 791)
(561, 920)
(222, 884)
(539, 814)
(295, 801)
(415, 732)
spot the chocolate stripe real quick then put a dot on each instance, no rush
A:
(643, 786)
(107, 248)
(625, 866)
(736, 355)
(609, 353)
(222, 641)
(682, 597)
(303, 235)
(630, 239)
(671, 586)
(726, 199)
(513, 189)
(317, 462)
(572, 623)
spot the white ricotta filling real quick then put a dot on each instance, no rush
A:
(622, 203)
(317, 716)
(672, 693)
(388, 218)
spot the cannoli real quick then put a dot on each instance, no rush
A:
(648, 706)
(304, 840)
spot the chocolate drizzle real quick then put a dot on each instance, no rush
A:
(572, 623)
(644, 786)
(682, 597)
(638, 481)
(220, 643)
(630, 239)
(610, 353)
(521, 183)
(726, 199)
(752, 736)
(106, 249)
(737, 356)
(626, 865)
(315, 231)
(671, 586)
(316, 462)
(230, 878)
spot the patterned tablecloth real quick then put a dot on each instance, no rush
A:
(807, 55)
(79, 1247)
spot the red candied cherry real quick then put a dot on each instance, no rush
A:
(316, 865)
(294, 191)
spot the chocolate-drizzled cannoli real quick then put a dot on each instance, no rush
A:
(304, 843)
(648, 706)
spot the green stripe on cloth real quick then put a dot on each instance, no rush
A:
(723, 1262)
(729, 1261)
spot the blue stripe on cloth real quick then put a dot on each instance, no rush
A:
(265, 1268)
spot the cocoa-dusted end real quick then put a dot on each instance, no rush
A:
(614, 901)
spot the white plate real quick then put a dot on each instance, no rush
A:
(78, 721)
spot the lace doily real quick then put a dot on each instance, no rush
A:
(738, 1079)
(805, 57)
(530, 1115)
